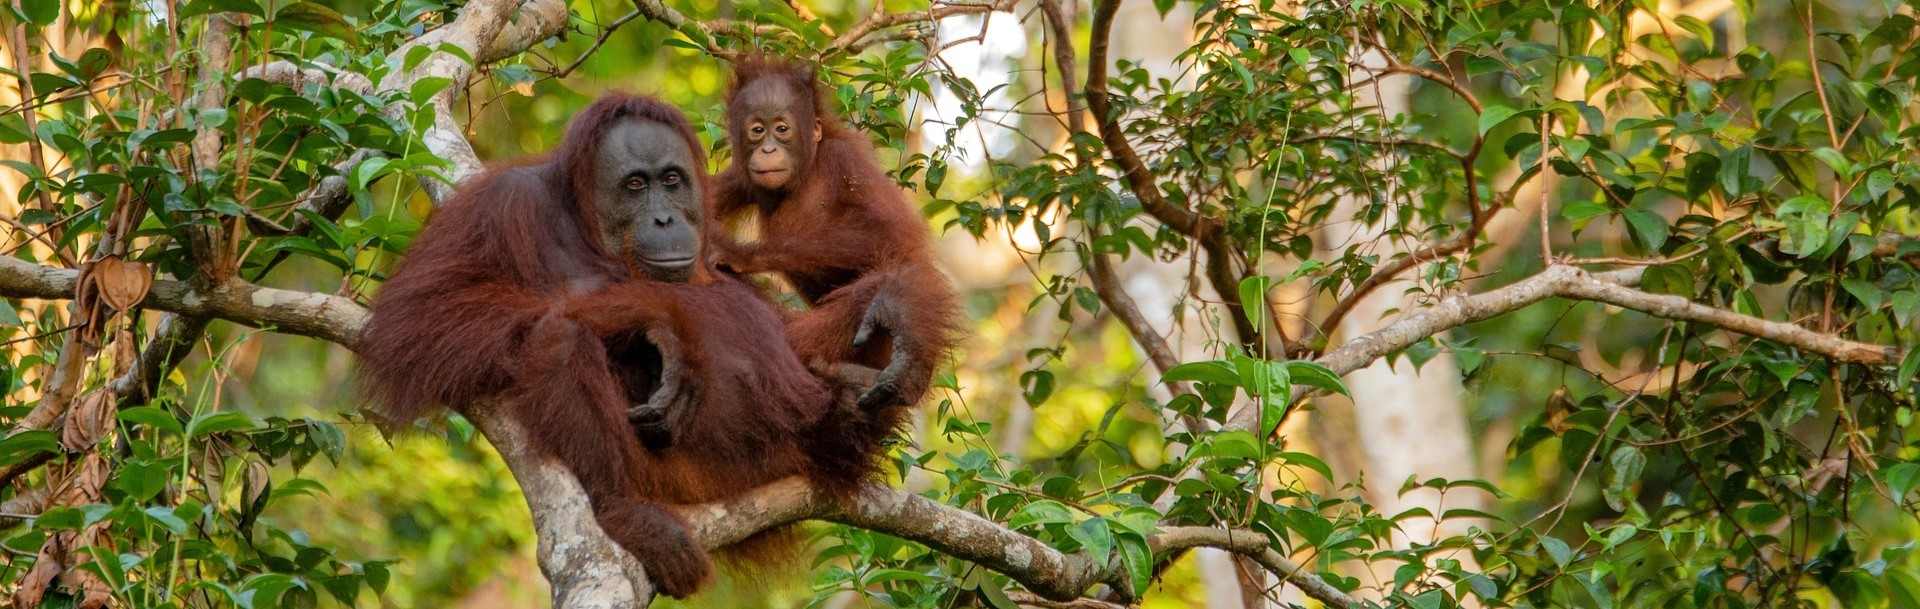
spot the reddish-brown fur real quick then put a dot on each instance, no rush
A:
(843, 234)
(507, 302)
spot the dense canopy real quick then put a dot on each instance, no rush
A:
(1530, 303)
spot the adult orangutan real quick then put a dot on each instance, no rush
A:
(837, 228)
(573, 293)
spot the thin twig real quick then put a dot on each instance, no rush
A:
(605, 33)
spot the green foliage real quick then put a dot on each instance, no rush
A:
(1758, 160)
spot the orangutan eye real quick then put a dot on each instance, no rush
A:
(671, 179)
(783, 128)
(759, 130)
(636, 183)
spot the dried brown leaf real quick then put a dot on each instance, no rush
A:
(84, 482)
(213, 469)
(91, 418)
(259, 480)
(94, 593)
(33, 586)
(125, 350)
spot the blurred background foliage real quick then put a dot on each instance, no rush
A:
(1627, 460)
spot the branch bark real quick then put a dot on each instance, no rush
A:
(332, 318)
(1047, 572)
(1561, 281)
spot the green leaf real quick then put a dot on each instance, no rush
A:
(377, 575)
(368, 171)
(1037, 386)
(1625, 463)
(1215, 372)
(424, 89)
(41, 12)
(18, 447)
(1879, 182)
(1253, 298)
(45, 84)
(1164, 6)
(1835, 161)
(881, 576)
(95, 61)
(1431, 599)
(1557, 550)
(318, 19)
(1582, 212)
(1044, 511)
(1735, 169)
(217, 422)
(1701, 171)
(327, 437)
(1870, 296)
(1493, 116)
(1675, 279)
(13, 129)
(1087, 299)
(155, 140)
(1909, 368)
(1700, 29)
(1906, 305)
(1904, 588)
(1307, 461)
(1901, 479)
(981, 581)
(198, 8)
(1649, 230)
(1807, 219)
(1312, 374)
(1137, 557)
(152, 417)
(167, 519)
(1094, 535)
(213, 118)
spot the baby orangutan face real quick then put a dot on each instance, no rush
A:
(775, 131)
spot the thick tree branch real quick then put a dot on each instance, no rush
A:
(1059, 14)
(172, 340)
(1392, 270)
(332, 318)
(1139, 179)
(299, 78)
(1106, 284)
(1249, 322)
(1052, 574)
(1561, 281)
(518, 29)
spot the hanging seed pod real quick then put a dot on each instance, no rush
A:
(122, 284)
(124, 351)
